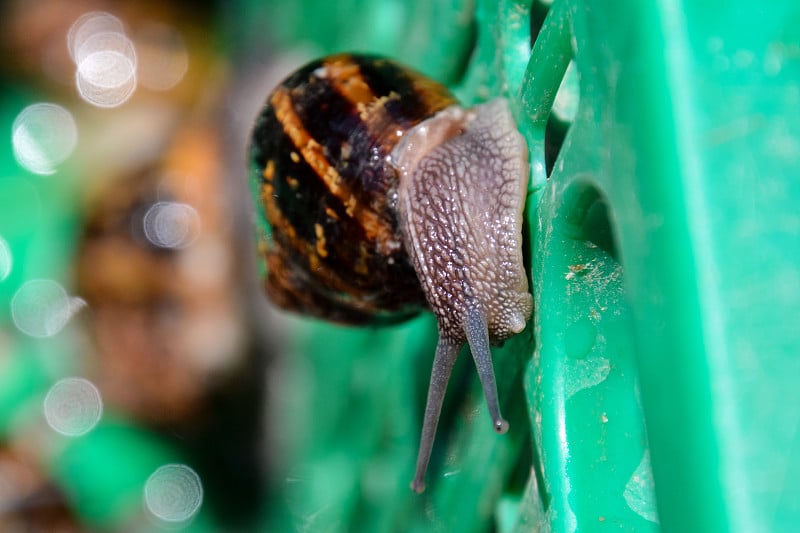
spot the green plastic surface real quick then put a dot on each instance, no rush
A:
(664, 250)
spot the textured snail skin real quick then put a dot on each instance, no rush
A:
(463, 179)
(384, 195)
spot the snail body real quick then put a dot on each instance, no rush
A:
(386, 197)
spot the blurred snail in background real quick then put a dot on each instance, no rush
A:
(385, 197)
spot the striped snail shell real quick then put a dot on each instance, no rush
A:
(385, 197)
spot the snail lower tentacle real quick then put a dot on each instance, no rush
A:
(443, 361)
(477, 334)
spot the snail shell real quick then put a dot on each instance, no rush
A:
(329, 194)
(385, 197)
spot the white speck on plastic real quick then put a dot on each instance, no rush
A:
(639, 492)
(565, 105)
(73, 406)
(173, 493)
(40, 308)
(171, 224)
(6, 260)
(43, 136)
(584, 373)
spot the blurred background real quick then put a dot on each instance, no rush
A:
(145, 384)
(134, 346)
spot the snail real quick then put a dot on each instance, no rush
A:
(385, 197)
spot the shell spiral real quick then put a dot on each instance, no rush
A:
(320, 149)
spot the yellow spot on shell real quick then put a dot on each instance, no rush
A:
(346, 77)
(293, 183)
(361, 262)
(267, 192)
(269, 170)
(295, 157)
(350, 205)
(313, 262)
(321, 250)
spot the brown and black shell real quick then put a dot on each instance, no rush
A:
(320, 149)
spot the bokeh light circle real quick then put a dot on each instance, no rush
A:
(171, 224)
(173, 493)
(106, 78)
(105, 59)
(73, 406)
(43, 136)
(88, 25)
(40, 308)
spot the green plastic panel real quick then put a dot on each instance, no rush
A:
(664, 249)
